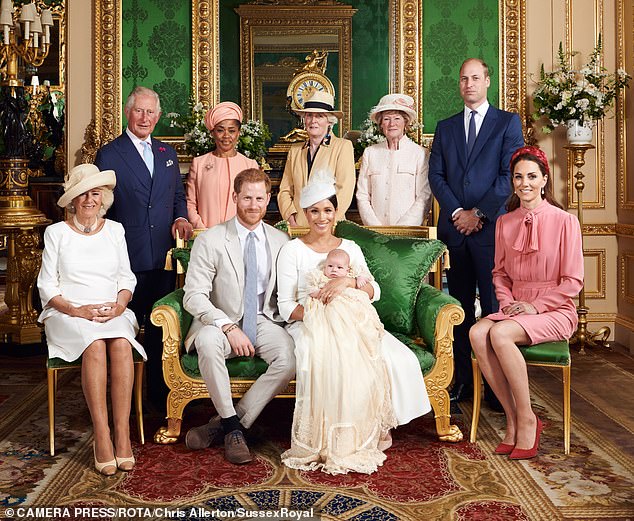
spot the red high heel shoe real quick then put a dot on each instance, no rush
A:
(503, 449)
(529, 453)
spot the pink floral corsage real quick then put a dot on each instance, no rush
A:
(162, 149)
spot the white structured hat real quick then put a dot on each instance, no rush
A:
(401, 102)
(320, 101)
(320, 186)
(83, 178)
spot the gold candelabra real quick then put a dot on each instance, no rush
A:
(25, 34)
(582, 336)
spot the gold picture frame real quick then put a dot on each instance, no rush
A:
(406, 63)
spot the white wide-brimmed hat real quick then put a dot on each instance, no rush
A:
(320, 186)
(83, 178)
(320, 101)
(401, 102)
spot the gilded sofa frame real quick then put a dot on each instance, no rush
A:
(184, 389)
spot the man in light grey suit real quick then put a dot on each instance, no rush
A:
(231, 291)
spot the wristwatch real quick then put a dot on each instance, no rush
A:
(479, 214)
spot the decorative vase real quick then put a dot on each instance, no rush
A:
(579, 133)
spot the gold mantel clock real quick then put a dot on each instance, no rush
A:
(310, 78)
(304, 84)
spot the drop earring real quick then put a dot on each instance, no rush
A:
(543, 190)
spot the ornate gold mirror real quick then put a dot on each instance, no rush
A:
(273, 45)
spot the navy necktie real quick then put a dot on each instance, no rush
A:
(250, 317)
(471, 136)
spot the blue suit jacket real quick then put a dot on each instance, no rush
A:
(145, 205)
(481, 180)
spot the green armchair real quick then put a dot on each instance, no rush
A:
(427, 328)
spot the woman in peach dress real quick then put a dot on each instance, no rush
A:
(210, 179)
(538, 271)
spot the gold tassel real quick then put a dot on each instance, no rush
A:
(168, 261)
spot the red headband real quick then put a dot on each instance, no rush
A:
(533, 151)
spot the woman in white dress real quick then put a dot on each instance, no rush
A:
(330, 405)
(85, 284)
(393, 189)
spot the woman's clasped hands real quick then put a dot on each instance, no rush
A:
(99, 312)
(519, 308)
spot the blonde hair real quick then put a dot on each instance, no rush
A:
(107, 200)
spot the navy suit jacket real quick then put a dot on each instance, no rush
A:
(145, 205)
(481, 180)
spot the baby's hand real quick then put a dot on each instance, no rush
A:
(315, 293)
(362, 281)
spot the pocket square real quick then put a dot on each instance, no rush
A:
(168, 163)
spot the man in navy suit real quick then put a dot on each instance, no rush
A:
(470, 177)
(149, 201)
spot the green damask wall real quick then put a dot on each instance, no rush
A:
(156, 53)
(452, 31)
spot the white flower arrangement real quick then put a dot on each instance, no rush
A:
(586, 94)
(199, 141)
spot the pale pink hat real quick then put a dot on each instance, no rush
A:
(221, 112)
(401, 102)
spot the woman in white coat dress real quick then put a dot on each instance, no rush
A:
(85, 284)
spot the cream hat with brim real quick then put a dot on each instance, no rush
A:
(401, 102)
(320, 101)
(83, 178)
(320, 186)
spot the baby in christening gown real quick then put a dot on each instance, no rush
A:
(343, 424)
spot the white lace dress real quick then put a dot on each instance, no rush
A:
(344, 379)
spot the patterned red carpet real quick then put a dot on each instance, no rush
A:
(422, 478)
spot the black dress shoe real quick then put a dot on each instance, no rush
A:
(460, 392)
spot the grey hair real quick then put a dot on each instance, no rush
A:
(107, 200)
(142, 91)
(332, 119)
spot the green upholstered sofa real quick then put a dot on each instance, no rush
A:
(429, 322)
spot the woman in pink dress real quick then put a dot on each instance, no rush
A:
(210, 179)
(538, 271)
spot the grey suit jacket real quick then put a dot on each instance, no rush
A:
(214, 285)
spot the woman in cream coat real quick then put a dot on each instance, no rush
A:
(321, 152)
(393, 189)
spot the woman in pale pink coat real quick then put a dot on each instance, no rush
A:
(538, 271)
(211, 176)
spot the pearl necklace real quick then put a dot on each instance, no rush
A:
(84, 228)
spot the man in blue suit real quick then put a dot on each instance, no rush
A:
(470, 177)
(149, 201)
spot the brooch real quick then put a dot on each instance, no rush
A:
(162, 149)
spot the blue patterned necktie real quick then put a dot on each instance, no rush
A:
(471, 136)
(148, 157)
(250, 317)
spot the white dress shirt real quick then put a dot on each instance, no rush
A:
(481, 111)
(138, 143)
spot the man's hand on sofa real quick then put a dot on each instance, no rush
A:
(239, 342)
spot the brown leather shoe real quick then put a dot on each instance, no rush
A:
(236, 450)
(205, 435)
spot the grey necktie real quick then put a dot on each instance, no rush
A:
(250, 317)
(148, 157)
(471, 136)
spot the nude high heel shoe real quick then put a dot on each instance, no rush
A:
(102, 467)
(123, 463)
